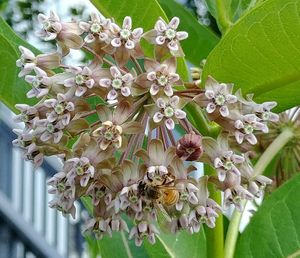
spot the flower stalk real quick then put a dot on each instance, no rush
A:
(232, 234)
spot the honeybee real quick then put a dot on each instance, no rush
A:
(162, 194)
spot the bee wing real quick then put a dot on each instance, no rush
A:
(162, 211)
(163, 219)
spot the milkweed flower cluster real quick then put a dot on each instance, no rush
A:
(122, 152)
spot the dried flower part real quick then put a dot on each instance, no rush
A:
(108, 134)
(189, 147)
(117, 84)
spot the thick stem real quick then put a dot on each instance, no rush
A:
(232, 234)
(214, 236)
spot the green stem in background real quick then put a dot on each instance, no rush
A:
(223, 19)
(233, 230)
(214, 236)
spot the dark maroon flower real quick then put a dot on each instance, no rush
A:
(189, 147)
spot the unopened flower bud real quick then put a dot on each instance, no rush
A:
(189, 147)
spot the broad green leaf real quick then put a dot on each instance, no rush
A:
(274, 230)
(201, 39)
(12, 89)
(177, 246)
(261, 54)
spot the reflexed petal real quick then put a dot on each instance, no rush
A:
(151, 76)
(231, 98)
(224, 111)
(209, 94)
(105, 82)
(218, 163)
(127, 77)
(90, 83)
(127, 23)
(137, 33)
(211, 107)
(250, 118)
(221, 175)
(80, 91)
(103, 36)
(158, 117)
(181, 35)
(125, 91)
(69, 82)
(170, 124)
(89, 38)
(160, 40)
(174, 23)
(112, 94)
(116, 42)
(160, 26)
(129, 44)
(239, 137)
(174, 101)
(173, 77)
(180, 114)
(115, 72)
(161, 103)
(238, 124)
(237, 159)
(173, 45)
(154, 89)
(251, 138)
(168, 90)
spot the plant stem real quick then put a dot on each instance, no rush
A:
(215, 236)
(223, 19)
(232, 234)
(264, 160)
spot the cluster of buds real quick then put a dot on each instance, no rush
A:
(122, 152)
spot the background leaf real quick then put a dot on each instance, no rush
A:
(178, 246)
(274, 230)
(12, 88)
(234, 8)
(201, 39)
(261, 54)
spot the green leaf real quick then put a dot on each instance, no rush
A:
(12, 88)
(274, 230)
(201, 39)
(260, 54)
(234, 8)
(177, 246)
